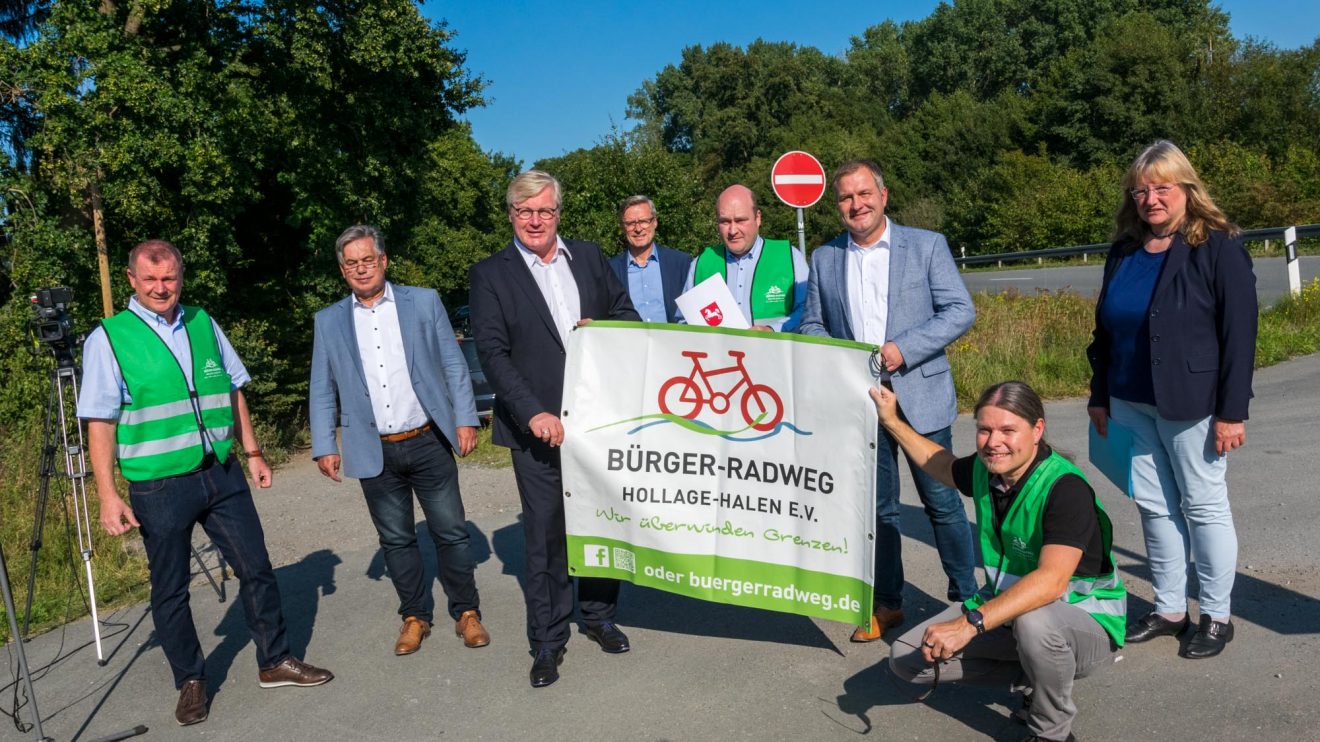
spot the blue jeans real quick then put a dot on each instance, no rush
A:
(217, 497)
(1180, 486)
(944, 507)
(422, 466)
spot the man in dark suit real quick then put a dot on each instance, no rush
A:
(388, 373)
(652, 273)
(525, 300)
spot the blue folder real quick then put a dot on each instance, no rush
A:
(1112, 455)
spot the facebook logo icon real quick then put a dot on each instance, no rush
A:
(595, 555)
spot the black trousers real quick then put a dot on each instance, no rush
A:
(547, 588)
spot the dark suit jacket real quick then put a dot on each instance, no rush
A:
(673, 274)
(517, 342)
(1202, 330)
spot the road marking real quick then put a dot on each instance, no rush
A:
(1024, 278)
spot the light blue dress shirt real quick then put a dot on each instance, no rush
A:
(103, 390)
(739, 271)
(646, 289)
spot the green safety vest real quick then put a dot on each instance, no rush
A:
(1015, 551)
(772, 279)
(160, 432)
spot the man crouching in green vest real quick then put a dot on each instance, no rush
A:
(1053, 607)
(768, 278)
(161, 395)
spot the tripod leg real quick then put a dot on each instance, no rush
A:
(45, 471)
(18, 645)
(219, 591)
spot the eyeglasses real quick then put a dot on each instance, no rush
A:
(635, 223)
(1141, 194)
(368, 262)
(523, 215)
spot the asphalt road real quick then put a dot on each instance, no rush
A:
(1271, 278)
(701, 671)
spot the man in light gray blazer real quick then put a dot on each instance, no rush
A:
(388, 372)
(897, 287)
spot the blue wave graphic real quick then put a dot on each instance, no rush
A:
(746, 439)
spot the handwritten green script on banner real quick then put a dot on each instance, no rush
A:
(728, 465)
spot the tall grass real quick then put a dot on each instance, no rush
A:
(1038, 338)
(1041, 339)
(1290, 328)
(59, 595)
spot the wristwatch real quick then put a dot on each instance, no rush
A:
(975, 618)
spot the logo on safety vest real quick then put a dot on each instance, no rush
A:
(774, 293)
(211, 369)
(1021, 548)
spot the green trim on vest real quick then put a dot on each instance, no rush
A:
(773, 282)
(159, 434)
(1104, 597)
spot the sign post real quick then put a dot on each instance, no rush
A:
(1290, 253)
(799, 181)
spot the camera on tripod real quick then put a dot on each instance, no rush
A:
(53, 326)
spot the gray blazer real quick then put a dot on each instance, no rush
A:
(929, 307)
(436, 366)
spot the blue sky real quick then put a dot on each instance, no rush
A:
(560, 73)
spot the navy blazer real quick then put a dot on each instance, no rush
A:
(673, 274)
(1202, 330)
(517, 342)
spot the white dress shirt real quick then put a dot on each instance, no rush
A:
(385, 365)
(557, 285)
(868, 288)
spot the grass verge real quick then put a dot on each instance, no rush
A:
(487, 454)
(59, 595)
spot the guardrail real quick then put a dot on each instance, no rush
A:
(1288, 235)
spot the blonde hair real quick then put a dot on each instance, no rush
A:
(529, 184)
(1164, 162)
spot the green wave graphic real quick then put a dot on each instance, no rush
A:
(682, 422)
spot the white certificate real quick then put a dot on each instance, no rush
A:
(711, 303)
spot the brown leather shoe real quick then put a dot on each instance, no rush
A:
(881, 619)
(469, 627)
(411, 634)
(293, 671)
(192, 703)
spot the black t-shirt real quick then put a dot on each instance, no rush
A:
(1069, 519)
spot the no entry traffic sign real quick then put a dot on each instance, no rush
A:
(798, 179)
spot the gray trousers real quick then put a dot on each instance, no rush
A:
(1042, 652)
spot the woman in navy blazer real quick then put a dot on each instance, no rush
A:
(1172, 359)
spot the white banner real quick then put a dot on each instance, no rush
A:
(729, 465)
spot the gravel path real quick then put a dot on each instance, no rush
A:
(304, 511)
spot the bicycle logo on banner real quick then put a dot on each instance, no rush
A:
(686, 395)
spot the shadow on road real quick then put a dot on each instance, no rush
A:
(301, 586)
(1270, 606)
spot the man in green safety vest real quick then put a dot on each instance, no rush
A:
(768, 278)
(1052, 608)
(161, 394)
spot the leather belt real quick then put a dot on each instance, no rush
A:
(405, 435)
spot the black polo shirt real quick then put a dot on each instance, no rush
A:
(1069, 518)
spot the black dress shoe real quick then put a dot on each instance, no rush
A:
(608, 636)
(545, 667)
(1210, 638)
(1152, 625)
